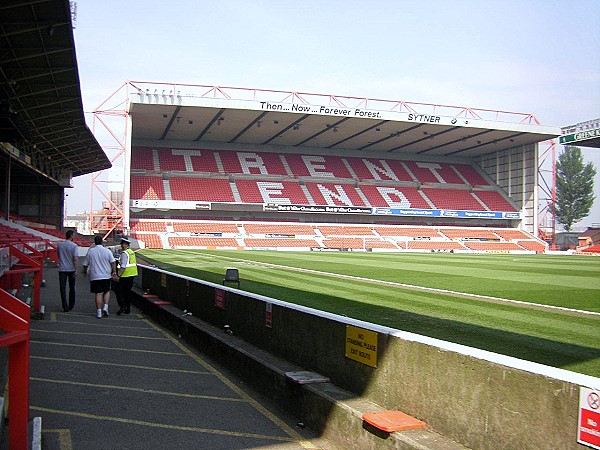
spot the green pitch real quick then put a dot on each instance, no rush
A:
(527, 306)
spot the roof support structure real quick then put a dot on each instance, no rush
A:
(113, 215)
(547, 191)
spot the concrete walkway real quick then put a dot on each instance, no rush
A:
(122, 382)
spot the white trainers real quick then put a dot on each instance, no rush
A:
(99, 314)
(105, 312)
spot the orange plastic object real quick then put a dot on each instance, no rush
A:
(393, 421)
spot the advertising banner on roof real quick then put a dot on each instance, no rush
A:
(357, 113)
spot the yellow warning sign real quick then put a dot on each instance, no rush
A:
(361, 345)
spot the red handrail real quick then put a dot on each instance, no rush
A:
(14, 321)
(32, 262)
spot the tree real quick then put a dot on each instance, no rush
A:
(574, 187)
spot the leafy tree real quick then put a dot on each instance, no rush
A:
(574, 187)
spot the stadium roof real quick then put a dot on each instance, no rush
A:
(41, 110)
(172, 112)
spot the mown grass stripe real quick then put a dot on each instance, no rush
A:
(551, 337)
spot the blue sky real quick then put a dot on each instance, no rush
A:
(536, 56)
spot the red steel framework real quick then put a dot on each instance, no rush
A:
(111, 217)
(547, 193)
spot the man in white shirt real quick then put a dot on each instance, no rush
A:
(102, 268)
(68, 258)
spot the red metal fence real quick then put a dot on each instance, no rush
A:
(15, 316)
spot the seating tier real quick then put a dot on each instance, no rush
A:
(356, 237)
(201, 189)
(494, 201)
(345, 230)
(278, 243)
(491, 246)
(194, 241)
(453, 199)
(532, 245)
(147, 188)
(355, 181)
(150, 240)
(147, 226)
(302, 230)
(205, 227)
(302, 165)
(469, 233)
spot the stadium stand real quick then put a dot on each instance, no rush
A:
(205, 227)
(77, 239)
(334, 194)
(143, 159)
(205, 242)
(345, 230)
(487, 246)
(276, 243)
(434, 245)
(354, 181)
(302, 179)
(278, 192)
(279, 229)
(468, 233)
(453, 199)
(379, 169)
(494, 200)
(508, 234)
(411, 232)
(317, 166)
(147, 187)
(255, 234)
(344, 242)
(149, 240)
(201, 189)
(253, 163)
(532, 245)
(10, 235)
(394, 196)
(147, 226)
(471, 175)
(428, 172)
(592, 249)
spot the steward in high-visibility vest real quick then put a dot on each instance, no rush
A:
(126, 274)
(130, 270)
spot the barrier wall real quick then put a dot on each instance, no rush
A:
(477, 398)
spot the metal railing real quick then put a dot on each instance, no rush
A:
(14, 321)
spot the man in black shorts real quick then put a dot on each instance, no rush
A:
(102, 268)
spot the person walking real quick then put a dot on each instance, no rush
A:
(102, 268)
(126, 273)
(68, 259)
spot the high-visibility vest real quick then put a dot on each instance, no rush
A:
(131, 269)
